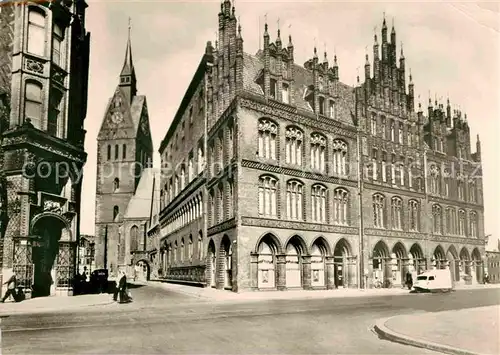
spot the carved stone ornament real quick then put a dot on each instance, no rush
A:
(58, 75)
(33, 65)
(52, 206)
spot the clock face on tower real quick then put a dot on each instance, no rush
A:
(117, 117)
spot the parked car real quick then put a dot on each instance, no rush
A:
(99, 280)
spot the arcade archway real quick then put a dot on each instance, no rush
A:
(142, 270)
(212, 264)
(344, 264)
(381, 265)
(465, 264)
(439, 259)
(226, 253)
(295, 248)
(418, 262)
(267, 249)
(399, 264)
(319, 251)
(53, 256)
(477, 265)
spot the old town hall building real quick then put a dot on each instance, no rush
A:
(280, 176)
(44, 61)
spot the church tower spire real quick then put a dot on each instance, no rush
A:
(128, 80)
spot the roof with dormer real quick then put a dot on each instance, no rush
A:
(253, 66)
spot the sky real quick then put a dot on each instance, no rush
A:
(453, 49)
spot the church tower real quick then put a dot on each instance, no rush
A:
(124, 150)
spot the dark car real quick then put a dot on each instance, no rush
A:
(99, 280)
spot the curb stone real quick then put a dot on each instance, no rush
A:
(53, 309)
(391, 335)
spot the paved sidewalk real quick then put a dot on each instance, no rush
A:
(470, 331)
(211, 294)
(53, 303)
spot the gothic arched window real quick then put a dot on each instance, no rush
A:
(318, 203)
(116, 212)
(340, 206)
(294, 199)
(473, 225)
(268, 132)
(318, 148)
(437, 219)
(414, 211)
(379, 211)
(267, 195)
(461, 223)
(134, 238)
(339, 157)
(116, 184)
(397, 213)
(472, 191)
(293, 146)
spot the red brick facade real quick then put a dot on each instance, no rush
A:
(302, 186)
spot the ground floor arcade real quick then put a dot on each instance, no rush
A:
(277, 261)
(323, 264)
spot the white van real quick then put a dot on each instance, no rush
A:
(434, 281)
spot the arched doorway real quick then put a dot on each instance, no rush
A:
(381, 265)
(477, 263)
(212, 258)
(142, 270)
(266, 260)
(418, 264)
(53, 259)
(465, 263)
(399, 264)
(453, 263)
(295, 248)
(438, 258)
(319, 251)
(226, 255)
(344, 264)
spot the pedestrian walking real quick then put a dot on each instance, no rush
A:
(409, 280)
(11, 288)
(121, 294)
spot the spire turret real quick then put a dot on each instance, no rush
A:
(384, 31)
(335, 68)
(367, 67)
(393, 33)
(128, 81)
(478, 149)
